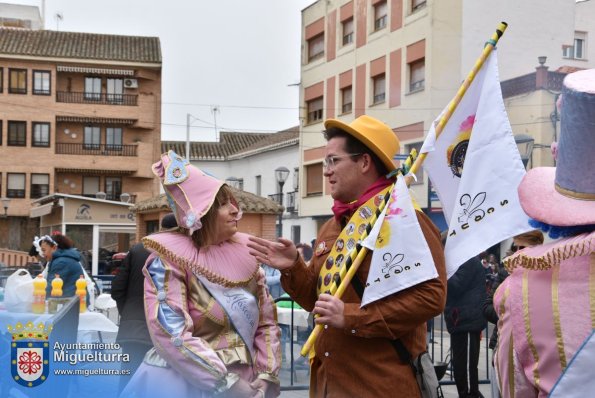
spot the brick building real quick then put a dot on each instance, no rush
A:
(80, 116)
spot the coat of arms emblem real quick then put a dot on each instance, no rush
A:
(29, 353)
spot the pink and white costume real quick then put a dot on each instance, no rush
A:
(546, 311)
(198, 350)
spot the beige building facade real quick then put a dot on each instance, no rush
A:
(80, 116)
(402, 61)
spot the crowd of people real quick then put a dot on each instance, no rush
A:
(197, 298)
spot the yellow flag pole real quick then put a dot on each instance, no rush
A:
(358, 257)
(460, 93)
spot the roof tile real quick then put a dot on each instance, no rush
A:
(230, 143)
(50, 43)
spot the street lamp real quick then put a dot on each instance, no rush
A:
(525, 144)
(281, 174)
(5, 203)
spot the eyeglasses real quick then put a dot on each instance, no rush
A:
(514, 248)
(330, 161)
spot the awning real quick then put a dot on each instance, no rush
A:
(96, 120)
(41, 210)
(95, 71)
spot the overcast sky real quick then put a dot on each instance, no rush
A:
(236, 54)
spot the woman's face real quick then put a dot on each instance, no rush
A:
(227, 221)
(47, 250)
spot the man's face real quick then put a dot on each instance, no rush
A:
(343, 172)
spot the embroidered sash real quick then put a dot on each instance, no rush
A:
(240, 305)
(349, 237)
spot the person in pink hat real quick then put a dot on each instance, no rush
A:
(208, 310)
(546, 307)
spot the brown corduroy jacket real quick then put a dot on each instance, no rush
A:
(360, 361)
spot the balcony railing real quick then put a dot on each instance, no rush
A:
(15, 193)
(277, 197)
(96, 98)
(96, 149)
(292, 206)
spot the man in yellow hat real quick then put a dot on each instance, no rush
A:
(354, 356)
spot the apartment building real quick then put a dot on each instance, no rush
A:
(402, 61)
(80, 115)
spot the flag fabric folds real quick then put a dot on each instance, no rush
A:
(401, 257)
(476, 168)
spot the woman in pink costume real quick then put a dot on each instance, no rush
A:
(546, 306)
(210, 316)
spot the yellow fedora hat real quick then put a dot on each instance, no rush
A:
(373, 134)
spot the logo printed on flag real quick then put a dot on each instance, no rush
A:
(401, 257)
(480, 200)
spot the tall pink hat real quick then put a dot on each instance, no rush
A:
(565, 195)
(190, 192)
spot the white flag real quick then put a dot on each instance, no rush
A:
(481, 202)
(401, 255)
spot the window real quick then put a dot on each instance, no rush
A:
(17, 81)
(346, 99)
(420, 173)
(296, 179)
(417, 4)
(151, 226)
(240, 184)
(314, 179)
(41, 82)
(380, 16)
(17, 133)
(258, 185)
(93, 88)
(348, 31)
(113, 138)
(115, 89)
(41, 134)
(90, 186)
(314, 110)
(577, 51)
(379, 84)
(316, 47)
(417, 75)
(40, 185)
(16, 185)
(296, 234)
(92, 137)
(113, 188)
